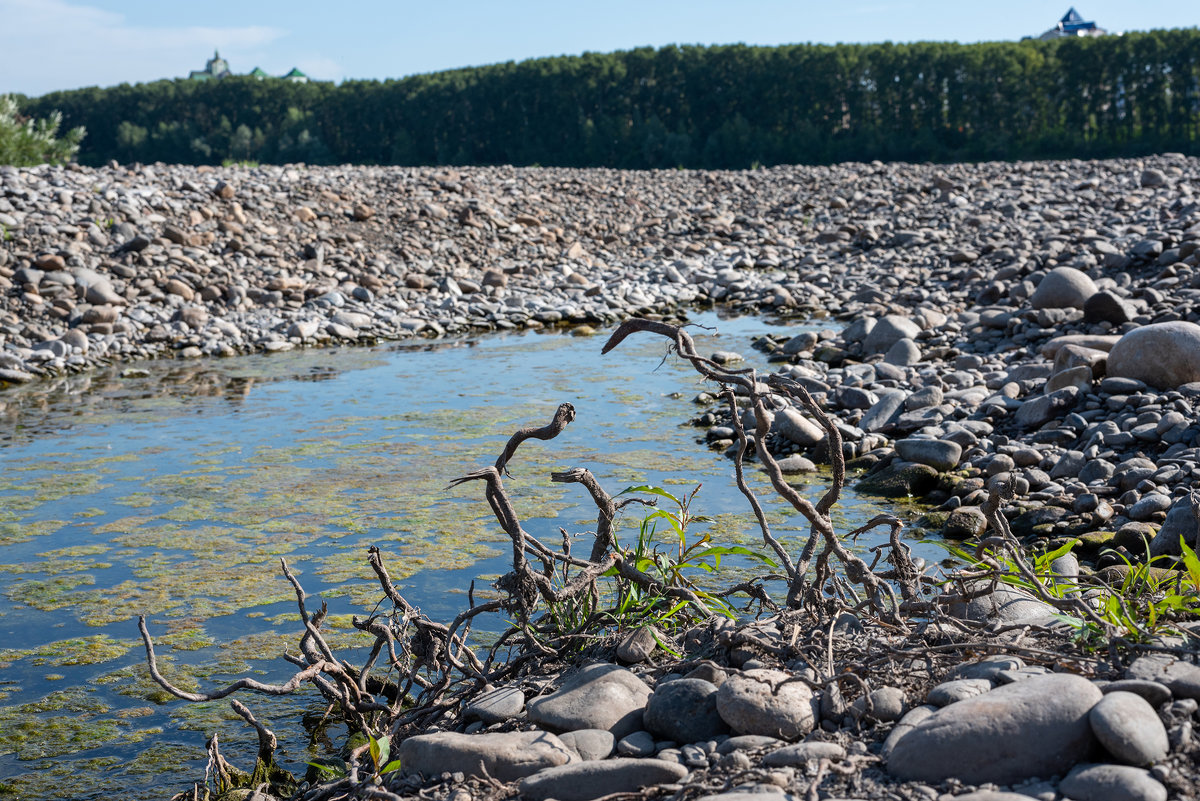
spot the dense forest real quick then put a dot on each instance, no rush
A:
(716, 107)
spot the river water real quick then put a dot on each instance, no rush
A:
(174, 488)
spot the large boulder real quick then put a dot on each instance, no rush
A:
(506, 756)
(1063, 288)
(1035, 727)
(588, 780)
(767, 702)
(600, 696)
(1164, 355)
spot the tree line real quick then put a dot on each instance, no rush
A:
(706, 107)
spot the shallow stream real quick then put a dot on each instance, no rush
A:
(174, 488)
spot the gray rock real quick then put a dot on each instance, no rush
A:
(906, 725)
(304, 329)
(685, 710)
(496, 705)
(585, 781)
(964, 523)
(1041, 410)
(796, 464)
(887, 704)
(600, 696)
(767, 702)
(859, 329)
(1106, 307)
(758, 793)
(747, 742)
(949, 692)
(1111, 783)
(801, 342)
(1164, 355)
(590, 743)
(1149, 506)
(900, 479)
(1036, 727)
(506, 756)
(939, 454)
(1004, 603)
(798, 429)
(924, 398)
(1181, 678)
(638, 744)
(799, 754)
(1078, 377)
(903, 353)
(888, 331)
(102, 293)
(993, 795)
(1152, 178)
(885, 411)
(1152, 692)
(1129, 729)
(1063, 288)
(637, 645)
(1180, 522)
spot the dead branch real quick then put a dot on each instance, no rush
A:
(562, 418)
(290, 686)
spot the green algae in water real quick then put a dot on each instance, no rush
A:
(94, 650)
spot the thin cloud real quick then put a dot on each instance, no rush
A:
(53, 44)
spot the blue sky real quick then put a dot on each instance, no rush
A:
(65, 44)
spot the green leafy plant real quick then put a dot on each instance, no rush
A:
(672, 567)
(1147, 601)
(380, 750)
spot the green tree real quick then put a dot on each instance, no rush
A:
(25, 141)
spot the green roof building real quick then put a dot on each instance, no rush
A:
(215, 68)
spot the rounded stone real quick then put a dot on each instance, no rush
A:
(496, 705)
(1163, 355)
(1063, 288)
(1034, 727)
(589, 743)
(1129, 728)
(888, 331)
(1112, 783)
(685, 710)
(1106, 307)
(767, 702)
(600, 696)
(940, 454)
(903, 353)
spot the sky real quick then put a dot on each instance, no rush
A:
(47, 45)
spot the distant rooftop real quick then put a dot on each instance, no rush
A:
(1072, 24)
